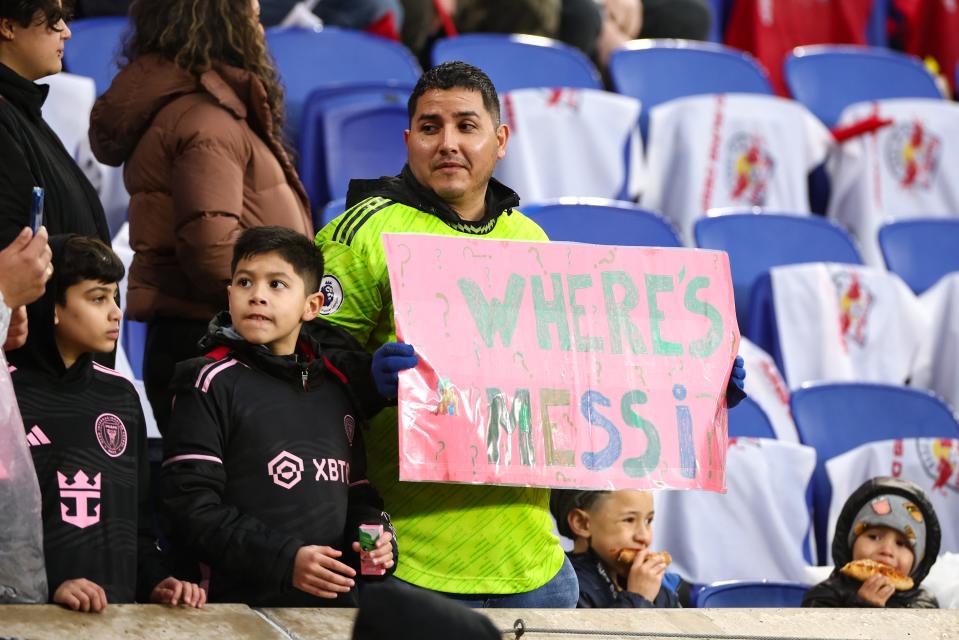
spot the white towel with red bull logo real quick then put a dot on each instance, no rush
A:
(767, 387)
(845, 322)
(936, 368)
(908, 168)
(764, 511)
(931, 463)
(730, 150)
(571, 142)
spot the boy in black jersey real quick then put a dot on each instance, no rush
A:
(264, 472)
(87, 436)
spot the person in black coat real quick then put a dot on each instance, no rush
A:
(32, 38)
(890, 521)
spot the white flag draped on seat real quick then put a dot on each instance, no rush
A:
(841, 322)
(906, 169)
(764, 512)
(730, 150)
(571, 142)
(931, 463)
(766, 386)
(937, 368)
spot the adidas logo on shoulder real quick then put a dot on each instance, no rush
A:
(36, 437)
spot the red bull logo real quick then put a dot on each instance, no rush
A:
(912, 154)
(855, 305)
(940, 459)
(750, 169)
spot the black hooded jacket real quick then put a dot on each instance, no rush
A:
(839, 590)
(406, 189)
(87, 435)
(264, 455)
(31, 155)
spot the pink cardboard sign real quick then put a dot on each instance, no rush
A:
(562, 364)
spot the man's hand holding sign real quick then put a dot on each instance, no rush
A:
(563, 365)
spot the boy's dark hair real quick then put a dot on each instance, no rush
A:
(85, 258)
(23, 11)
(562, 501)
(295, 248)
(452, 75)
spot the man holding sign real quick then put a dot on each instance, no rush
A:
(485, 545)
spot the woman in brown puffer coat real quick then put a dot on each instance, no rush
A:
(196, 117)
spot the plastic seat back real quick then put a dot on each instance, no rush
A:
(363, 141)
(308, 60)
(655, 71)
(748, 420)
(313, 127)
(827, 79)
(94, 49)
(517, 61)
(332, 209)
(757, 242)
(600, 221)
(921, 251)
(742, 594)
(834, 418)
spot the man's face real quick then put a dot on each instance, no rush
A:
(268, 301)
(89, 319)
(34, 51)
(453, 146)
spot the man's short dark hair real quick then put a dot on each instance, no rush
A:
(24, 11)
(454, 75)
(85, 258)
(295, 248)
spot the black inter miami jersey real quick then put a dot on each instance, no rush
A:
(88, 439)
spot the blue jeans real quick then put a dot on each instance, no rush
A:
(561, 592)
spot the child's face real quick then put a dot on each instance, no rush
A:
(269, 302)
(88, 321)
(884, 545)
(621, 520)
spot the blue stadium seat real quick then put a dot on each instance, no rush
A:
(921, 251)
(94, 49)
(834, 418)
(720, 9)
(876, 28)
(655, 71)
(757, 242)
(516, 61)
(332, 209)
(134, 340)
(744, 594)
(317, 119)
(310, 60)
(363, 141)
(748, 420)
(827, 79)
(601, 221)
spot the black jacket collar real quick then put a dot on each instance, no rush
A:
(23, 94)
(405, 189)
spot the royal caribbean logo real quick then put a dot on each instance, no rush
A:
(912, 155)
(749, 168)
(83, 492)
(286, 469)
(855, 306)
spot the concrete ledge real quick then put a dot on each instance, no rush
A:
(239, 621)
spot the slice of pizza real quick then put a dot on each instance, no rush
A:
(864, 569)
(626, 556)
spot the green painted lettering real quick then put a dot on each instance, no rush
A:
(584, 343)
(705, 346)
(548, 313)
(554, 398)
(655, 284)
(492, 317)
(617, 312)
(646, 463)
